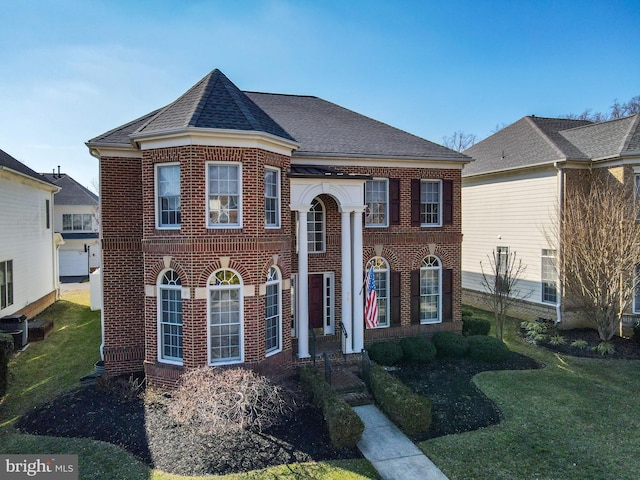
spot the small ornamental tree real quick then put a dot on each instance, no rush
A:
(500, 276)
(600, 249)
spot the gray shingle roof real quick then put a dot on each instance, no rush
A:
(213, 102)
(71, 192)
(320, 127)
(607, 139)
(8, 161)
(324, 128)
(529, 141)
(538, 140)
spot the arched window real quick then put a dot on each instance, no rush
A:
(430, 290)
(316, 227)
(225, 318)
(273, 312)
(170, 318)
(381, 278)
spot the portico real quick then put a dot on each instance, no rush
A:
(348, 192)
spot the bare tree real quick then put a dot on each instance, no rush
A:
(617, 110)
(459, 141)
(500, 276)
(600, 250)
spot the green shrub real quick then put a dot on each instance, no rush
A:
(556, 340)
(6, 349)
(475, 326)
(605, 348)
(344, 425)
(580, 344)
(467, 312)
(385, 353)
(487, 349)
(450, 344)
(410, 411)
(418, 349)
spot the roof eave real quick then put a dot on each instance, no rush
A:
(50, 186)
(375, 156)
(550, 163)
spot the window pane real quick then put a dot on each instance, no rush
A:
(170, 318)
(376, 200)
(430, 203)
(169, 195)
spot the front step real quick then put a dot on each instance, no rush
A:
(346, 382)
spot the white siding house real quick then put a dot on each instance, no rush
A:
(28, 270)
(512, 193)
(76, 218)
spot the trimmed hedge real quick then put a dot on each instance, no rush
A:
(487, 349)
(466, 312)
(418, 349)
(475, 326)
(410, 411)
(344, 425)
(385, 353)
(6, 349)
(450, 344)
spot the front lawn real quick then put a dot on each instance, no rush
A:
(577, 418)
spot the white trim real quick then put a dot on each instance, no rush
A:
(114, 151)
(156, 167)
(386, 203)
(440, 202)
(342, 160)
(324, 227)
(214, 226)
(277, 282)
(240, 289)
(278, 173)
(214, 137)
(159, 287)
(439, 268)
(328, 303)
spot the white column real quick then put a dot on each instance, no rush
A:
(346, 281)
(303, 284)
(358, 291)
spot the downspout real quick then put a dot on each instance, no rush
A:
(559, 252)
(95, 153)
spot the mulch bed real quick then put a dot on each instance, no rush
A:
(625, 348)
(151, 435)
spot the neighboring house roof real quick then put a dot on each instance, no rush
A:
(321, 128)
(7, 161)
(71, 193)
(535, 141)
(607, 139)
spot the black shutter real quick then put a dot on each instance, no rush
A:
(415, 297)
(447, 202)
(395, 299)
(447, 295)
(415, 202)
(394, 201)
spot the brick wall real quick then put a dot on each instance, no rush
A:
(136, 253)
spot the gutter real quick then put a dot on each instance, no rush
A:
(559, 255)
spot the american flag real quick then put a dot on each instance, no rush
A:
(371, 306)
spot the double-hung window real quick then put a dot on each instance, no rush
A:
(381, 279)
(376, 197)
(224, 187)
(6, 283)
(430, 290)
(549, 276)
(168, 196)
(430, 203)
(273, 312)
(77, 222)
(170, 318)
(271, 197)
(225, 318)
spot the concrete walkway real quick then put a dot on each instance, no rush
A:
(392, 454)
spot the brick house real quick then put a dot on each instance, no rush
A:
(201, 204)
(521, 177)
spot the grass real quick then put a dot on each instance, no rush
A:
(48, 368)
(575, 419)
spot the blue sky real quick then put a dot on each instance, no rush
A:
(71, 69)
